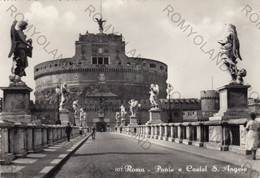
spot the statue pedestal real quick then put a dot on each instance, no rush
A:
(123, 122)
(155, 116)
(133, 121)
(233, 102)
(64, 117)
(16, 103)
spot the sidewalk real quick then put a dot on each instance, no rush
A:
(45, 163)
(225, 156)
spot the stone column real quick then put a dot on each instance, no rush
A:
(180, 134)
(6, 148)
(160, 132)
(152, 131)
(200, 136)
(156, 132)
(148, 132)
(50, 136)
(171, 139)
(44, 137)
(29, 136)
(225, 137)
(189, 134)
(38, 139)
(19, 140)
(165, 136)
(59, 140)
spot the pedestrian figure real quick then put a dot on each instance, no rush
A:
(68, 131)
(93, 133)
(252, 135)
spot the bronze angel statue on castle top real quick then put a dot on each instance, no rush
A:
(20, 49)
(229, 52)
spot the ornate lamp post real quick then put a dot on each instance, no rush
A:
(58, 93)
(169, 93)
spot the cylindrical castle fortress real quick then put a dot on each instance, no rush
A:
(98, 73)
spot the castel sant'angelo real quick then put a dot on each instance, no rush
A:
(102, 78)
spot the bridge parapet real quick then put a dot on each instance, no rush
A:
(19, 139)
(221, 135)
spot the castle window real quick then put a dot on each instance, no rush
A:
(100, 60)
(161, 67)
(128, 64)
(106, 60)
(94, 60)
(152, 66)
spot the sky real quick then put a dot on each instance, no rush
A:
(152, 29)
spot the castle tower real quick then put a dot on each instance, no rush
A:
(209, 103)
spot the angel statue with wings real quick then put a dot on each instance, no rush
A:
(122, 111)
(229, 52)
(118, 116)
(64, 94)
(20, 49)
(133, 107)
(154, 92)
(75, 106)
(100, 23)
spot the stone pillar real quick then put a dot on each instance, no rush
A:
(59, 134)
(233, 102)
(189, 134)
(54, 135)
(180, 134)
(29, 136)
(148, 132)
(38, 139)
(171, 139)
(160, 132)
(152, 131)
(225, 137)
(165, 136)
(133, 121)
(200, 136)
(156, 132)
(50, 136)
(155, 116)
(15, 105)
(64, 117)
(44, 137)
(6, 148)
(19, 140)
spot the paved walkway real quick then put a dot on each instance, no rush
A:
(117, 155)
(44, 163)
(227, 156)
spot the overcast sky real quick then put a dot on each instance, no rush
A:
(148, 30)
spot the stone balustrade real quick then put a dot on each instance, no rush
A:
(223, 135)
(19, 139)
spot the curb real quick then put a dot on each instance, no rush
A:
(57, 167)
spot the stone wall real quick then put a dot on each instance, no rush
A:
(19, 139)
